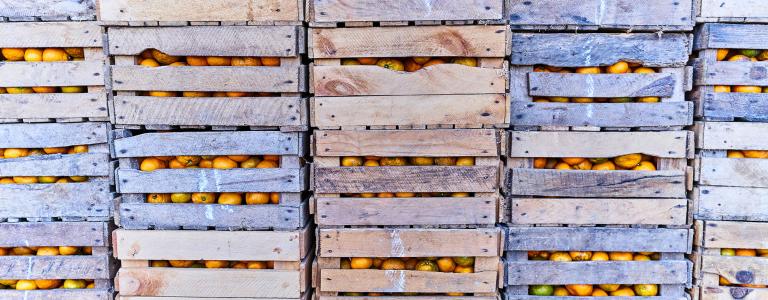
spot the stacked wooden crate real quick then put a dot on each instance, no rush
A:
(729, 199)
(407, 160)
(229, 218)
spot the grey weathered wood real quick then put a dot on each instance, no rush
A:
(602, 114)
(57, 294)
(76, 234)
(509, 296)
(665, 144)
(52, 135)
(732, 136)
(70, 73)
(733, 172)
(209, 143)
(405, 211)
(90, 199)
(210, 180)
(23, 106)
(731, 36)
(48, 34)
(201, 12)
(735, 105)
(83, 164)
(597, 239)
(576, 183)
(406, 179)
(588, 211)
(477, 143)
(55, 267)
(732, 73)
(601, 85)
(599, 49)
(202, 79)
(731, 203)
(403, 10)
(598, 272)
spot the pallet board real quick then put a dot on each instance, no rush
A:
(327, 13)
(61, 107)
(48, 10)
(731, 11)
(183, 12)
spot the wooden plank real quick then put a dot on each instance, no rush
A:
(733, 9)
(732, 73)
(381, 242)
(409, 41)
(441, 79)
(83, 164)
(737, 269)
(744, 172)
(599, 211)
(602, 114)
(278, 41)
(730, 293)
(732, 36)
(601, 85)
(409, 110)
(203, 79)
(76, 234)
(53, 106)
(732, 203)
(604, 14)
(527, 297)
(597, 239)
(406, 211)
(91, 199)
(745, 235)
(49, 34)
(416, 179)
(598, 49)
(597, 272)
(404, 10)
(399, 281)
(208, 143)
(200, 10)
(266, 111)
(667, 144)
(55, 267)
(57, 294)
(400, 298)
(52, 135)
(569, 183)
(478, 143)
(733, 136)
(69, 73)
(210, 180)
(735, 105)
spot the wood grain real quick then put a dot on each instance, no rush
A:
(55, 267)
(744, 172)
(732, 36)
(200, 10)
(203, 79)
(737, 269)
(731, 203)
(667, 144)
(76, 234)
(210, 180)
(47, 34)
(599, 211)
(603, 14)
(746, 235)
(406, 211)
(372, 242)
(602, 114)
(598, 239)
(732, 73)
(732, 136)
(733, 9)
(735, 105)
(53, 106)
(559, 183)
(598, 272)
(601, 85)
(397, 281)
(209, 143)
(403, 10)
(91, 199)
(45, 135)
(83, 164)
(70, 73)
(431, 143)
(416, 179)
(57, 294)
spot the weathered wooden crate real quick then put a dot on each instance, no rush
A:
(590, 15)
(334, 244)
(289, 180)
(200, 12)
(587, 197)
(710, 72)
(596, 50)
(331, 179)
(60, 107)
(98, 266)
(287, 112)
(672, 271)
(730, 11)
(730, 188)
(332, 13)
(712, 236)
(74, 201)
(291, 252)
(439, 96)
(48, 10)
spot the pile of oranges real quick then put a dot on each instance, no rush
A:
(763, 253)
(42, 55)
(46, 284)
(745, 55)
(10, 153)
(423, 264)
(635, 161)
(589, 290)
(617, 68)
(592, 256)
(747, 153)
(410, 64)
(213, 264)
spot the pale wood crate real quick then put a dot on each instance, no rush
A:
(672, 272)
(440, 96)
(200, 12)
(75, 201)
(47, 10)
(710, 73)
(711, 237)
(332, 13)
(58, 107)
(98, 266)
(289, 180)
(330, 179)
(641, 198)
(731, 189)
(730, 11)
(288, 112)
(484, 244)
(593, 50)
(291, 252)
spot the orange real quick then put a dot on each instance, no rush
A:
(176, 164)
(47, 284)
(722, 89)
(181, 263)
(246, 62)
(561, 291)
(151, 163)
(604, 166)
(21, 251)
(411, 66)
(573, 160)
(274, 198)
(163, 58)
(582, 100)
(195, 94)
(78, 149)
(205, 164)
(405, 195)
(368, 60)
(48, 251)
(539, 162)
(739, 57)
(19, 90)
(646, 290)
(722, 54)
(625, 291)
(599, 293)
(218, 61)
(197, 61)
(78, 178)
(274, 158)
(250, 163)
(256, 198)
(644, 70)
(610, 287)
(621, 256)
(73, 284)
(747, 89)
(55, 54)
(149, 62)
(431, 266)
(371, 163)
(467, 61)
(746, 252)
(158, 198)
(350, 62)
(216, 264)
(44, 89)
(377, 262)
(67, 250)
(465, 161)
(560, 256)
(446, 264)
(230, 199)
(267, 164)
(26, 285)
(648, 99)
(223, 162)
(588, 70)
(584, 165)
(351, 161)
(188, 160)
(628, 161)
(181, 197)
(56, 150)
(25, 179)
(445, 161)
(640, 257)
(203, 198)
(361, 263)
(580, 255)
(432, 62)
(270, 61)
(645, 166)
(755, 153)
(237, 94)
(392, 64)
(15, 152)
(559, 99)
(459, 195)
(385, 195)
(239, 158)
(421, 60)
(75, 52)
(393, 161)
(13, 54)
(162, 94)
(563, 166)
(33, 54)
(618, 68)
(599, 256)
(579, 289)
(422, 161)
(393, 264)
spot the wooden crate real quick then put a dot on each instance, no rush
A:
(730, 11)
(710, 73)
(200, 12)
(74, 201)
(730, 188)
(287, 112)
(672, 271)
(59, 107)
(591, 15)
(98, 266)
(47, 10)
(710, 265)
(289, 180)
(602, 49)
(330, 179)
(331, 13)
(440, 96)
(291, 252)
(586, 197)
(333, 244)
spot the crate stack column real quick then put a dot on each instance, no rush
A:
(211, 140)
(409, 102)
(578, 217)
(729, 199)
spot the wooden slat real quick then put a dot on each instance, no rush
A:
(91, 199)
(733, 136)
(597, 272)
(605, 14)
(733, 9)
(83, 164)
(202, 79)
(601, 85)
(417, 179)
(599, 211)
(737, 269)
(69, 73)
(437, 143)
(398, 298)
(406, 211)
(570, 183)
(57, 294)
(210, 180)
(602, 114)
(372, 242)
(745, 235)
(732, 73)
(744, 172)
(732, 203)
(667, 144)
(199, 10)
(728, 293)
(469, 41)
(597, 239)
(732, 36)
(48, 34)
(391, 281)
(599, 49)
(208, 40)
(76, 234)
(526, 297)
(735, 105)
(52, 135)
(208, 143)
(55, 267)
(53, 106)
(404, 10)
